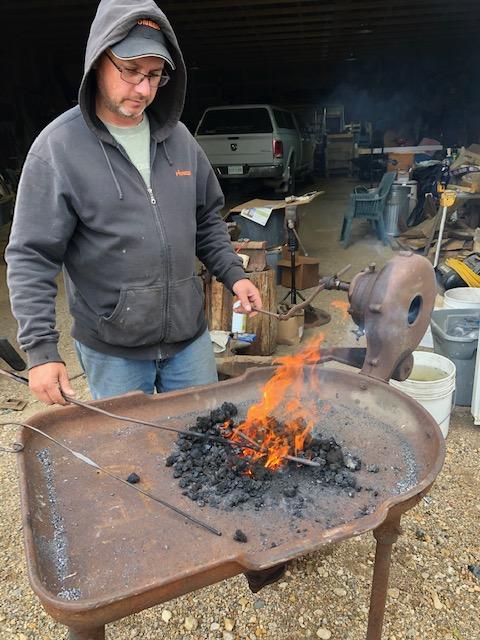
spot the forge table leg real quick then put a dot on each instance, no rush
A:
(92, 634)
(386, 535)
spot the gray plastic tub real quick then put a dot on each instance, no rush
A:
(455, 335)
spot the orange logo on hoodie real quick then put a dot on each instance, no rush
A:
(180, 172)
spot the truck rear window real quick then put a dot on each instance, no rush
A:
(233, 121)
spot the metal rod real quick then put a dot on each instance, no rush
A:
(300, 242)
(324, 284)
(257, 447)
(254, 444)
(447, 199)
(114, 416)
(438, 248)
(267, 313)
(93, 464)
(305, 461)
(293, 268)
(14, 376)
(192, 434)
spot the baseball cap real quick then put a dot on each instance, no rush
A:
(144, 39)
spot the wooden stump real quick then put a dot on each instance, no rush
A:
(219, 303)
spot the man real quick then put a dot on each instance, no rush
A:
(118, 192)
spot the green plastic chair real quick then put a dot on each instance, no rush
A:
(368, 204)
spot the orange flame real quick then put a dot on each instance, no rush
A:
(281, 399)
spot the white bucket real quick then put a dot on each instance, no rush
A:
(462, 298)
(435, 390)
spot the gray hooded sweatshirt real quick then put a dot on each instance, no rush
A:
(128, 254)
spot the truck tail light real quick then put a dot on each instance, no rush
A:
(277, 149)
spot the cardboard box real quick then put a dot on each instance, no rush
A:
(290, 332)
(472, 180)
(468, 156)
(306, 272)
(275, 205)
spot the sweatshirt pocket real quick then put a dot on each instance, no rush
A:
(138, 319)
(185, 309)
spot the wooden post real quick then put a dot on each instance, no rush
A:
(219, 303)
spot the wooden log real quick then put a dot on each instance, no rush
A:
(219, 304)
(265, 327)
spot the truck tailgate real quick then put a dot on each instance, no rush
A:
(224, 150)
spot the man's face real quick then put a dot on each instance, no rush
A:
(120, 102)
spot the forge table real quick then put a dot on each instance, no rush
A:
(97, 551)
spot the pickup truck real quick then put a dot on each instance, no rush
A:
(257, 142)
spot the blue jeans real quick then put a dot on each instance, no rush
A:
(113, 376)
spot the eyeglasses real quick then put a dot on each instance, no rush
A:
(136, 77)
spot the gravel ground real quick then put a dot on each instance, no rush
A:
(432, 593)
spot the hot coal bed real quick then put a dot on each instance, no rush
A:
(224, 477)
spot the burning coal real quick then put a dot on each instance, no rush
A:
(225, 476)
(272, 441)
(281, 453)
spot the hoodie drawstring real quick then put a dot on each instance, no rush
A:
(169, 160)
(117, 184)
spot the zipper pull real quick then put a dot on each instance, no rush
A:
(152, 197)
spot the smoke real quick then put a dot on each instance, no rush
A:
(427, 95)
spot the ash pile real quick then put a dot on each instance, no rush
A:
(224, 475)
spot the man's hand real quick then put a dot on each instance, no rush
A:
(47, 380)
(248, 295)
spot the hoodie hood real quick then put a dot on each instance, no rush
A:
(112, 22)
